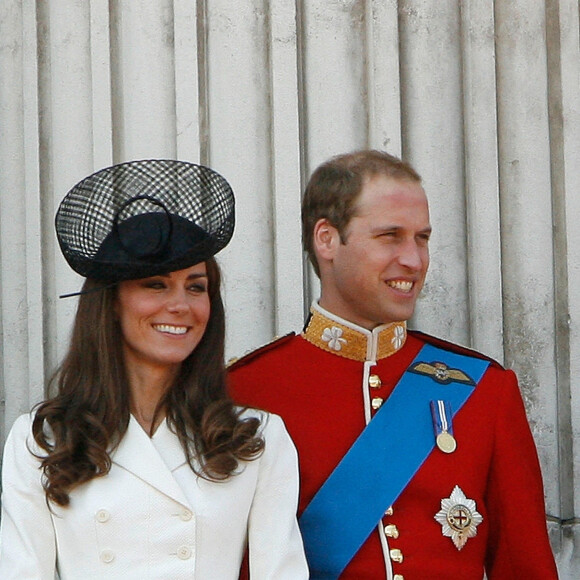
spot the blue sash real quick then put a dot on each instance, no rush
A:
(383, 460)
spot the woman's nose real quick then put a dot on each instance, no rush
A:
(177, 302)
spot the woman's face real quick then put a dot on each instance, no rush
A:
(163, 318)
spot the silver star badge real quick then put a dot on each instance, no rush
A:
(458, 517)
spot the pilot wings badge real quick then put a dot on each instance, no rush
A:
(441, 373)
(458, 517)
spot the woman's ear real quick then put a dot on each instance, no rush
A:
(325, 237)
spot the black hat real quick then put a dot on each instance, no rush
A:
(144, 218)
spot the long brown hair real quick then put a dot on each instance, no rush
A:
(88, 415)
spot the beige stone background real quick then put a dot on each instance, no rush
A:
(482, 96)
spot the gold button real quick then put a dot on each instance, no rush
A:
(392, 531)
(398, 577)
(389, 512)
(376, 403)
(375, 381)
(396, 555)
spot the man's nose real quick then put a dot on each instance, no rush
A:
(411, 255)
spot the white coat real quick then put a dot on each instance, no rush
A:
(151, 517)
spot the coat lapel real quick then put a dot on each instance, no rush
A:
(168, 445)
(137, 453)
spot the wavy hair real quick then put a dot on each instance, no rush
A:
(83, 422)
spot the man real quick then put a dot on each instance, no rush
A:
(416, 458)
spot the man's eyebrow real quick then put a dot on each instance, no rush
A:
(387, 228)
(395, 228)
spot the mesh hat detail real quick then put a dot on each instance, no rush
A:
(144, 218)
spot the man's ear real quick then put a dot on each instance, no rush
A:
(325, 238)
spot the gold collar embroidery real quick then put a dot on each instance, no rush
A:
(342, 338)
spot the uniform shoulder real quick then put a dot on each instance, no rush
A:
(453, 347)
(276, 343)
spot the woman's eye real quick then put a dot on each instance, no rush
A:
(198, 288)
(155, 285)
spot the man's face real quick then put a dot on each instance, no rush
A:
(375, 277)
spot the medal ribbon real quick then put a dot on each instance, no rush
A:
(380, 463)
(442, 417)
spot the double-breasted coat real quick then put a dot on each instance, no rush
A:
(151, 517)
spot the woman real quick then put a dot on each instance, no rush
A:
(140, 466)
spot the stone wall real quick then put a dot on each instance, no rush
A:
(482, 96)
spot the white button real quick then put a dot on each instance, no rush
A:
(103, 516)
(185, 515)
(107, 556)
(184, 552)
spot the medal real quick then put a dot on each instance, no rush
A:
(458, 517)
(446, 442)
(442, 426)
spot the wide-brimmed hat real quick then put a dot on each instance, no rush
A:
(144, 218)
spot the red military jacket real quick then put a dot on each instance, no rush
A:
(327, 384)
